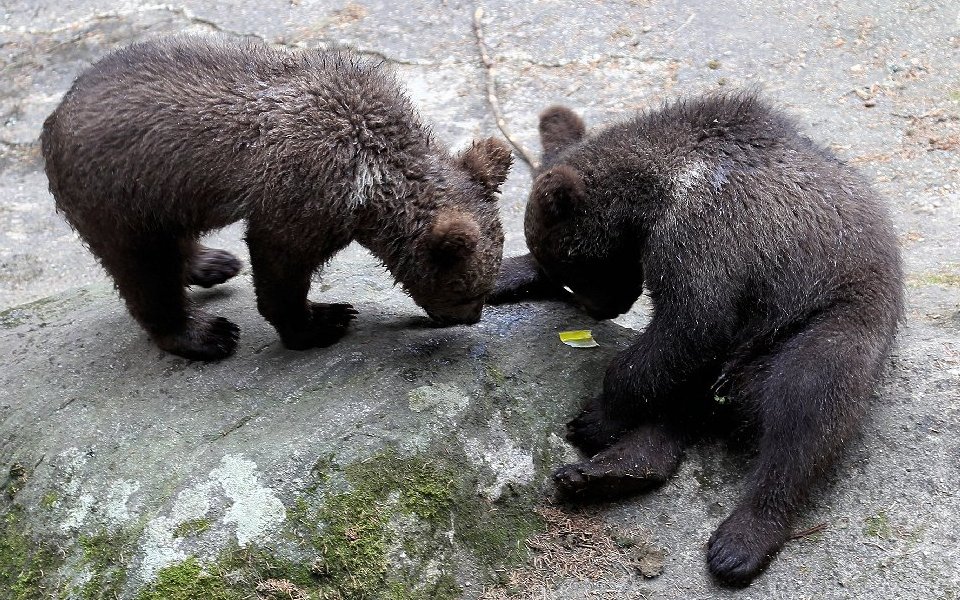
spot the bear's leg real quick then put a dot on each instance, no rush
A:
(281, 276)
(148, 271)
(809, 396)
(657, 378)
(208, 267)
(520, 278)
(642, 459)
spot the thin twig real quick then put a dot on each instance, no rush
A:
(490, 73)
(809, 531)
(685, 23)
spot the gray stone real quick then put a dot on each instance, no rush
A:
(118, 439)
(428, 450)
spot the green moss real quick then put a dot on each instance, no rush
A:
(495, 532)
(942, 278)
(44, 309)
(260, 564)
(104, 555)
(38, 309)
(18, 315)
(878, 526)
(16, 480)
(352, 530)
(191, 528)
(189, 580)
(376, 529)
(496, 375)
(24, 564)
(713, 64)
(49, 500)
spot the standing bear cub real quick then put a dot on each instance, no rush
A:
(776, 286)
(162, 141)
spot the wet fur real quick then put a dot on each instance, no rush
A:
(162, 141)
(775, 279)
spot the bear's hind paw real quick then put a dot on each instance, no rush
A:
(598, 482)
(591, 431)
(207, 338)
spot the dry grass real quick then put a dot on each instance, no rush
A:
(578, 545)
(280, 589)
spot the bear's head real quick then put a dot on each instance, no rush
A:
(581, 243)
(457, 254)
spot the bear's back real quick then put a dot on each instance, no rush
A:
(195, 124)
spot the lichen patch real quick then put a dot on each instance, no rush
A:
(256, 509)
(118, 496)
(443, 399)
(252, 508)
(509, 463)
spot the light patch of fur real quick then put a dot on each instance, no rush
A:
(368, 179)
(691, 176)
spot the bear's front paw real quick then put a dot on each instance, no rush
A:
(209, 267)
(592, 431)
(205, 338)
(742, 547)
(326, 324)
(520, 278)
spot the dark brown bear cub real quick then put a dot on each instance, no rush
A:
(162, 141)
(776, 286)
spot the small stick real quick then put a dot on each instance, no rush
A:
(685, 23)
(489, 71)
(809, 531)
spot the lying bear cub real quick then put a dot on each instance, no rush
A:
(162, 141)
(776, 285)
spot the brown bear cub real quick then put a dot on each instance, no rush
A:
(162, 141)
(776, 286)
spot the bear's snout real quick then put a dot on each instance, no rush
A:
(457, 315)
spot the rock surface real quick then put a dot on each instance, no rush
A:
(409, 461)
(404, 456)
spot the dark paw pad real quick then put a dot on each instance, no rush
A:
(206, 338)
(210, 267)
(741, 548)
(326, 325)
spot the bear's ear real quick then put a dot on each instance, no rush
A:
(453, 237)
(557, 191)
(560, 127)
(487, 162)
